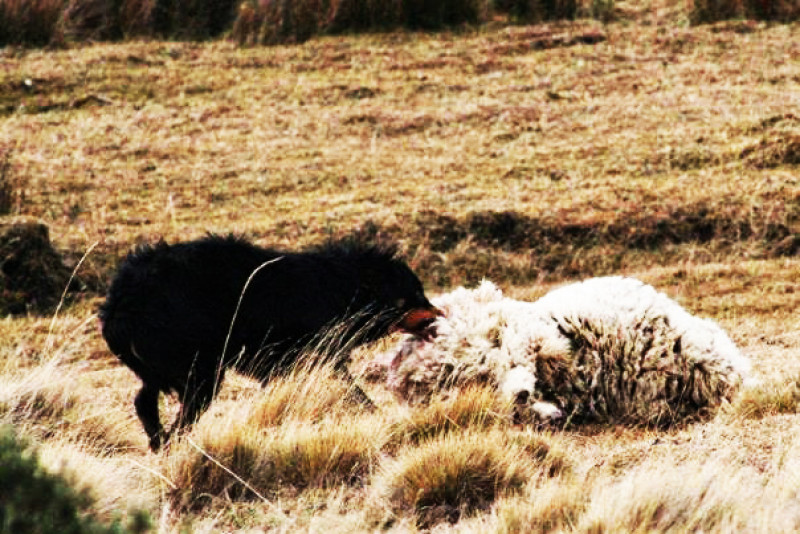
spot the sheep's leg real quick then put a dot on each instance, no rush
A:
(146, 403)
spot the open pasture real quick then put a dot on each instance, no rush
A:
(528, 155)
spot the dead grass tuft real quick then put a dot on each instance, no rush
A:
(553, 507)
(243, 463)
(546, 449)
(307, 394)
(42, 405)
(469, 409)
(769, 398)
(686, 498)
(454, 475)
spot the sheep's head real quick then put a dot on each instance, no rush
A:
(482, 338)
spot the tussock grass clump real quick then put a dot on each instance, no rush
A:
(309, 393)
(768, 398)
(245, 463)
(40, 399)
(669, 498)
(554, 507)
(49, 403)
(546, 449)
(468, 409)
(705, 11)
(454, 475)
(44, 405)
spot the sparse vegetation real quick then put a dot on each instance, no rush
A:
(531, 154)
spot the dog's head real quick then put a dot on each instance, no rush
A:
(392, 290)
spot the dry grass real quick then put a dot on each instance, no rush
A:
(453, 476)
(532, 155)
(473, 408)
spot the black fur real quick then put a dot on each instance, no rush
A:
(171, 313)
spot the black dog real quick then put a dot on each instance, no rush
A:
(180, 315)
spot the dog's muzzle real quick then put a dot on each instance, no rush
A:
(419, 321)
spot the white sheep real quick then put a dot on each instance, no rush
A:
(610, 350)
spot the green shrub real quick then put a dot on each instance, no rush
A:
(35, 501)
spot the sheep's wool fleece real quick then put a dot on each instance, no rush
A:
(608, 349)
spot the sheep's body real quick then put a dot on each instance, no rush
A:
(609, 349)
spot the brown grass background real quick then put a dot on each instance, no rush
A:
(528, 154)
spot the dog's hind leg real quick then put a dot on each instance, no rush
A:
(196, 398)
(146, 404)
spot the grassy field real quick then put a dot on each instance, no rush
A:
(529, 155)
